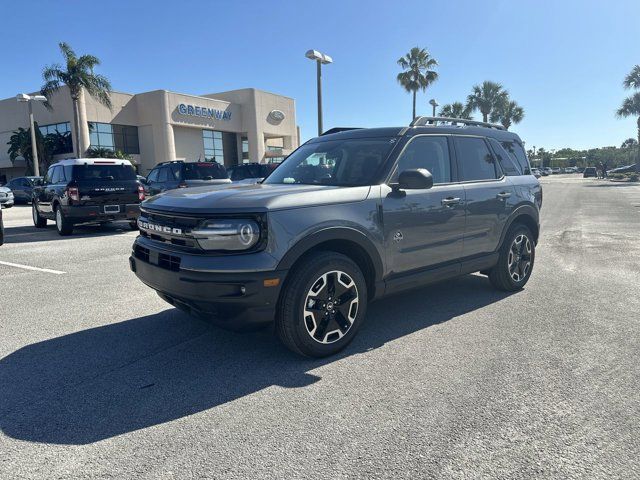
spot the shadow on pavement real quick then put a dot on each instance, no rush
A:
(102, 382)
(30, 234)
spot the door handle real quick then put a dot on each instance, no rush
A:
(504, 195)
(450, 201)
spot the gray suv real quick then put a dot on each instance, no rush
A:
(348, 217)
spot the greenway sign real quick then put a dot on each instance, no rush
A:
(195, 111)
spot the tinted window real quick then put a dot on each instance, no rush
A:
(429, 152)
(153, 176)
(56, 177)
(475, 159)
(104, 172)
(49, 175)
(163, 175)
(176, 170)
(204, 171)
(516, 152)
(347, 162)
(507, 163)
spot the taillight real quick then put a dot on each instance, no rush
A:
(140, 192)
(73, 194)
(182, 185)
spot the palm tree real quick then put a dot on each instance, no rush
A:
(77, 74)
(631, 105)
(633, 79)
(508, 113)
(455, 110)
(486, 98)
(417, 72)
(20, 146)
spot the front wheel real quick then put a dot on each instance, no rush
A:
(38, 221)
(63, 225)
(515, 263)
(322, 305)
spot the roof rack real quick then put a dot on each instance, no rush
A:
(432, 121)
(339, 129)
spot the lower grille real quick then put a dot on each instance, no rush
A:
(169, 262)
(162, 260)
(142, 253)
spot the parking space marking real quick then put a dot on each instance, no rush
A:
(28, 267)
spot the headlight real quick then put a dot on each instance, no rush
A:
(229, 235)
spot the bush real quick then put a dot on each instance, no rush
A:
(634, 177)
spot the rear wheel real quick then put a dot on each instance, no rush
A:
(322, 306)
(515, 262)
(63, 225)
(38, 221)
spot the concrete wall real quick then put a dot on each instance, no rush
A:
(189, 144)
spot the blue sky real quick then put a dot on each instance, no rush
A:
(563, 61)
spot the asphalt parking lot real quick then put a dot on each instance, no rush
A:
(100, 378)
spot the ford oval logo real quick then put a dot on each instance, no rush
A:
(277, 115)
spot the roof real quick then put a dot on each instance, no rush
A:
(93, 161)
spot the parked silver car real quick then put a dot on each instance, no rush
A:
(6, 197)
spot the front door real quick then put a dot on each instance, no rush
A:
(424, 228)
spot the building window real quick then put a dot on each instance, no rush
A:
(213, 149)
(245, 149)
(59, 136)
(123, 138)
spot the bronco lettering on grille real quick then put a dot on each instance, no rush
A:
(158, 228)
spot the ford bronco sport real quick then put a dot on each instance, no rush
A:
(348, 217)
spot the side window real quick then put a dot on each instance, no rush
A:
(475, 159)
(176, 168)
(68, 172)
(504, 159)
(516, 152)
(153, 175)
(428, 152)
(49, 176)
(162, 175)
(55, 176)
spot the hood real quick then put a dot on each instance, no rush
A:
(253, 198)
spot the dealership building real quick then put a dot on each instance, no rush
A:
(238, 126)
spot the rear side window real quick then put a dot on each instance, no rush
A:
(176, 170)
(204, 171)
(153, 176)
(507, 163)
(163, 175)
(58, 175)
(103, 172)
(475, 159)
(516, 152)
(428, 152)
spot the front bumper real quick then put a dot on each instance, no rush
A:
(7, 202)
(235, 300)
(96, 213)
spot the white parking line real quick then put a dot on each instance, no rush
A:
(37, 269)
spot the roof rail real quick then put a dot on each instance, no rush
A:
(339, 129)
(425, 121)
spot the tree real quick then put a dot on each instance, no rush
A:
(101, 152)
(20, 146)
(508, 113)
(77, 73)
(417, 72)
(455, 110)
(632, 80)
(629, 143)
(487, 97)
(631, 105)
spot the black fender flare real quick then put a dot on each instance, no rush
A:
(527, 210)
(331, 234)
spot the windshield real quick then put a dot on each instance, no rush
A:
(104, 172)
(348, 162)
(204, 171)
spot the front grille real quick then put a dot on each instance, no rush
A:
(169, 262)
(142, 253)
(183, 241)
(169, 239)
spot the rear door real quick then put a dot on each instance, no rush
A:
(488, 194)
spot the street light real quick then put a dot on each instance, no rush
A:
(434, 104)
(23, 97)
(320, 59)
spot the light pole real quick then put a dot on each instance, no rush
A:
(434, 104)
(320, 59)
(23, 97)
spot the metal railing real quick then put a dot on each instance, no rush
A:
(432, 121)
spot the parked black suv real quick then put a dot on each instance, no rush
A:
(347, 218)
(180, 174)
(251, 172)
(87, 190)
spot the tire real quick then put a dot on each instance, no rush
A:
(322, 305)
(515, 263)
(38, 220)
(133, 225)
(64, 226)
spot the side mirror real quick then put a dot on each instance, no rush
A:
(415, 179)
